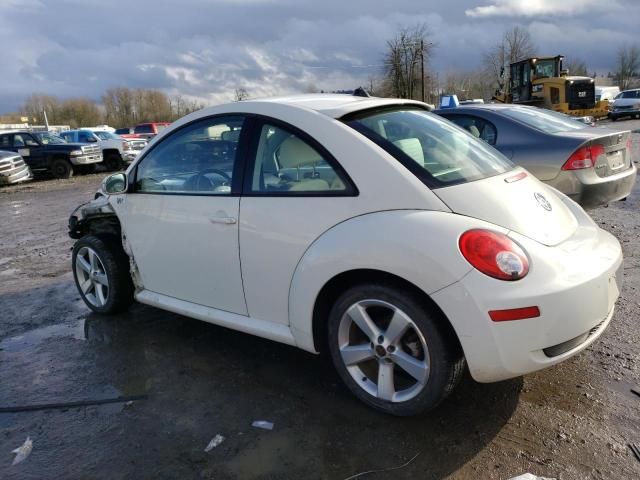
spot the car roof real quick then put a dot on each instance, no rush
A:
(333, 105)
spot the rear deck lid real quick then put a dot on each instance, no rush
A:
(512, 200)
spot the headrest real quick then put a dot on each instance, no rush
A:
(231, 135)
(413, 148)
(294, 153)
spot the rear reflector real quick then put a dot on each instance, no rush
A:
(514, 314)
(584, 157)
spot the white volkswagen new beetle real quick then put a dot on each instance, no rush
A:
(368, 227)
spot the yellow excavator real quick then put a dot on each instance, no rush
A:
(542, 82)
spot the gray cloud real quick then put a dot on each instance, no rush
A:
(205, 49)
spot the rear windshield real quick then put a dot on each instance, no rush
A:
(435, 150)
(543, 120)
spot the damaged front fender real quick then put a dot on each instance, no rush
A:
(98, 210)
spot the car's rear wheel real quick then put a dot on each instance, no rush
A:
(61, 168)
(390, 350)
(101, 273)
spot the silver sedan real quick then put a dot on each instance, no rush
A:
(593, 166)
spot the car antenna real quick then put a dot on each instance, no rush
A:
(360, 92)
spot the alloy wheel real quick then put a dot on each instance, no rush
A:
(383, 350)
(92, 277)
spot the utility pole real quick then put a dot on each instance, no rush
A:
(422, 66)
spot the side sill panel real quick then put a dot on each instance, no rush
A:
(278, 332)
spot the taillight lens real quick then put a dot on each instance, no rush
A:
(494, 254)
(629, 143)
(584, 157)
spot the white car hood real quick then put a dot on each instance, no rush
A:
(526, 206)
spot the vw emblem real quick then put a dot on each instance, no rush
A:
(542, 201)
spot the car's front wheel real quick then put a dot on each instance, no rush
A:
(61, 168)
(101, 273)
(112, 161)
(390, 350)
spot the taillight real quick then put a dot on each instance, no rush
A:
(584, 157)
(629, 143)
(494, 254)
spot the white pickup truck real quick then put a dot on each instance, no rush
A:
(116, 151)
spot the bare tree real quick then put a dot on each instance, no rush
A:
(78, 112)
(577, 66)
(402, 61)
(37, 103)
(627, 66)
(119, 107)
(515, 45)
(241, 94)
(181, 106)
(311, 88)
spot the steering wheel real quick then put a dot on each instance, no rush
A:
(197, 178)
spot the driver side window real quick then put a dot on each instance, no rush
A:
(198, 159)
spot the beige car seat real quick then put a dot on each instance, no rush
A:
(413, 148)
(294, 153)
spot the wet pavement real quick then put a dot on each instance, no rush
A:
(572, 421)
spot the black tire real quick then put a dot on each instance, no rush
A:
(445, 359)
(61, 168)
(112, 161)
(114, 263)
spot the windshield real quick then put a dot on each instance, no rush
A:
(543, 120)
(545, 68)
(106, 136)
(49, 139)
(435, 150)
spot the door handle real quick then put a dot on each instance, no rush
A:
(224, 220)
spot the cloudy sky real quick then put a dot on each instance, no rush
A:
(207, 48)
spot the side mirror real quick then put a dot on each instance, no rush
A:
(91, 140)
(115, 184)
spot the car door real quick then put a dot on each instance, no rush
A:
(30, 149)
(181, 217)
(294, 191)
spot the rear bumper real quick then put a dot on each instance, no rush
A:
(575, 285)
(589, 190)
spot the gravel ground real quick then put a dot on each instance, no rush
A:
(572, 421)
